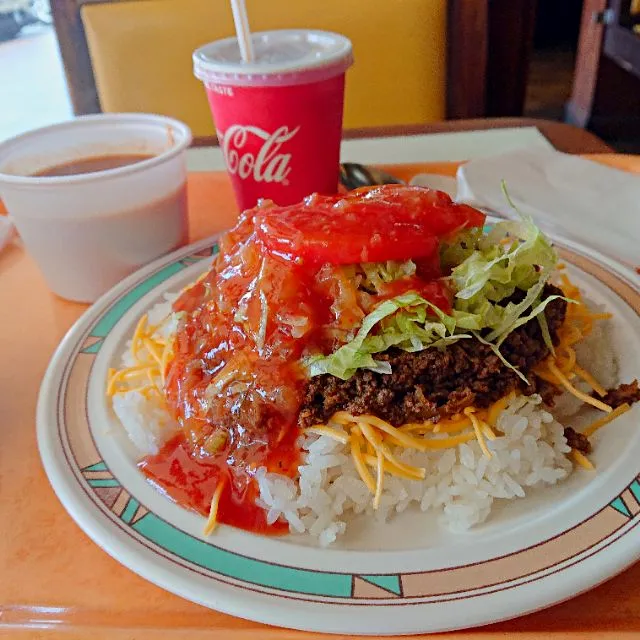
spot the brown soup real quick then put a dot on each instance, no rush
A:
(92, 164)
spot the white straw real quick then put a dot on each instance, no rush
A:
(242, 29)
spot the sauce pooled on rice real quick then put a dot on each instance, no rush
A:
(277, 292)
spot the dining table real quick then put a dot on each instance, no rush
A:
(451, 140)
(55, 583)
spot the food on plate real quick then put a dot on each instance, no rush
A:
(360, 353)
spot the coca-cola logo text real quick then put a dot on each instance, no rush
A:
(269, 164)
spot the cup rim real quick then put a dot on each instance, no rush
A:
(332, 64)
(101, 118)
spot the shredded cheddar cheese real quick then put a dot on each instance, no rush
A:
(590, 380)
(600, 422)
(151, 354)
(477, 427)
(370, 439)
(561, 367)
(452, 425)
(372, 461)
(380, 472)
(581, 459)
(487, 431)
(212, 520)
(358, 460)
(497, 408)
(446, 443)
(323, 430)
(587, 399)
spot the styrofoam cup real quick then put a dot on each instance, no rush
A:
(88, 231)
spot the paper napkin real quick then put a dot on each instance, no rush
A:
(570, 196)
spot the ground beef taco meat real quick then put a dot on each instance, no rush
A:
(435, 382)
(577, 440)
(622, 394)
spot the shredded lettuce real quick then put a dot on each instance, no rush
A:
(408, 322)
(546, 335)
(456, 249)
(496, 349)
(536, 312)
(487, 271)
(496, 270)
(376, 274)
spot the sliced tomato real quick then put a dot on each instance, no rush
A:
(438, 293)
(429, 268)
(315, 236)
(434, 209)
(390, 222)
(435, 291)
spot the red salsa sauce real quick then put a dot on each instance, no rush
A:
(235, 384)
(191, 481)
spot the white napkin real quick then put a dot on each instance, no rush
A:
(435, 181)
(7, 232)
(581, 200)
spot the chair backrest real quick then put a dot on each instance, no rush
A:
(416, 60)
(141, 54)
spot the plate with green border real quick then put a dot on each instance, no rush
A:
(406, 576)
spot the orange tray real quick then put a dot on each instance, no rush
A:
(56, 583)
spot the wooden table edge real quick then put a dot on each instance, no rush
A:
(564, 137)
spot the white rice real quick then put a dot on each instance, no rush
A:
(145, 418)
(161, 315)
(461, 484)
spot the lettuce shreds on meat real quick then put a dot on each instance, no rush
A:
(457, 248)
(496, 350)
(405, 322)
(546, 335)
(375, 274)
(487, 271)
(496, 269)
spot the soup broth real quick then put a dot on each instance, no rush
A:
(92, 164)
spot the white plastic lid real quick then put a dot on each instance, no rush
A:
(284, 57)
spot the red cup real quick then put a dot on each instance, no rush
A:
(279, 119)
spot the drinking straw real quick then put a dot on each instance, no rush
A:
(242, 29)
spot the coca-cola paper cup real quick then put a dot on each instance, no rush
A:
(279, 118)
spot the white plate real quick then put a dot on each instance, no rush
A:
(405, 577)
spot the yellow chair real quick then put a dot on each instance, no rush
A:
(417, 61)
(141, 54)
